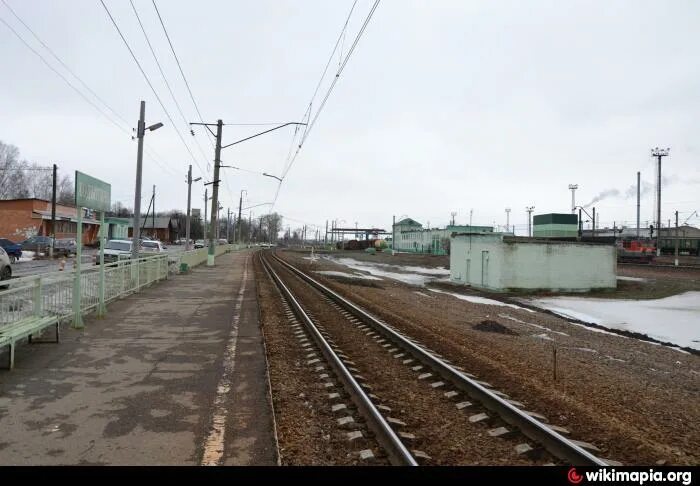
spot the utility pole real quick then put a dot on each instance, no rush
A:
(529, 210)
(453, 214)
(240, 205)
(325, 238)
(140, 132)
(250, 221)
(593, 225)
(659, 153)
(53, 213)
(154, 213)
(215, 193)
(206, 200)
(393, 236)
(228, 224)
(189, 206)
(676, 251)
(507, 219)
(580, 225)
(573, 188)
(638, 197)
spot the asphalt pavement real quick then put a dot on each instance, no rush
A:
(173, 375)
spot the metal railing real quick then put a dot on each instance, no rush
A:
(52, 293)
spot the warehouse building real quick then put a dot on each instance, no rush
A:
(502, 262)
(411, 237)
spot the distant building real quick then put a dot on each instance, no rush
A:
(555, 225)
(117, 228)
(23, 218)
(504, 262)
(411, 237)
(164, 228)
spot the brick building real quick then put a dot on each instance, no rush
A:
(23, 218)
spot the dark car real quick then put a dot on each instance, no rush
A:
(37, 244)
(13, 250)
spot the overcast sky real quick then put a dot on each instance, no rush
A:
(443, 106)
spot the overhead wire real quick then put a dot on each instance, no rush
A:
(148, 81)
(150, 153)
(344, 62)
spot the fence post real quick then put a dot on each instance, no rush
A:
(101, 308)
(38, 298)
(77, 311)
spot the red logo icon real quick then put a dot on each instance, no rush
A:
(574, 477)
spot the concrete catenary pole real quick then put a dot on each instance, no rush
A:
(189, 208)
(215, 193)
(675, 261)
(155, 234)
(140, 131)
(53, 213)
(206, 200)
(507, 219)
(638, 199)
(240, 205)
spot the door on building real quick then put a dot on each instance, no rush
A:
(484, 267)
(468, 270)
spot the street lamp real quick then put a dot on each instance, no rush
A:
(573, 188)
(273, 176)
(140, 133)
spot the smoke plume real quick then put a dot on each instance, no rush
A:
(603, 195)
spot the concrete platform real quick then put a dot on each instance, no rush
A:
(173, 375)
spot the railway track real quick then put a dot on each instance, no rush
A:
(517, 435)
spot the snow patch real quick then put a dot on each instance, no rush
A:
(674, 319)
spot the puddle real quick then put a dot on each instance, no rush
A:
(480, 300)
(674, 319)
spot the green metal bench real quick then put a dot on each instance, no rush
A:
(10, 334)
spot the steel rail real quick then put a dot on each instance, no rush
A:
(552, 441)
(398, 453)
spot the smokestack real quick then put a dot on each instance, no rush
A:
(638, 197)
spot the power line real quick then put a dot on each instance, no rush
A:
(165, 79)
(151, 86)
(184, 78)
(60, 61)
(72, 86)
(344, 62)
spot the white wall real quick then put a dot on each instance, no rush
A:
(533, 264)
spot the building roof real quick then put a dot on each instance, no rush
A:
(408, 222)
(162, 222)
(508, 238)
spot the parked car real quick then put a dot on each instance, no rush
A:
(37, 244)
(13, 250)
(199, 244)
(65, 246)
(5, 268)
(223, 241)
(116, 250)
(152, 247)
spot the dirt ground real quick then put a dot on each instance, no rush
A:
(638, 402)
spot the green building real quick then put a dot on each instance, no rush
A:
(555, 225)
(117, 228)
(411, 237)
